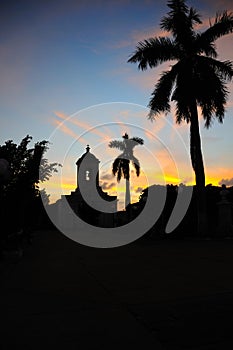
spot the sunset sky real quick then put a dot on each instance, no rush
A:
(65, 78)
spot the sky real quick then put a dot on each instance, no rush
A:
(65, 78)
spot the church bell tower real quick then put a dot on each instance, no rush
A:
(88, 169)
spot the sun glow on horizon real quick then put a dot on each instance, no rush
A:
(164, 158)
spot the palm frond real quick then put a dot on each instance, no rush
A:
(213, 103)
(117, 168)
(179, 22)
(117, 144)
(222, 25)
(178, 9)
(194, 16)
(125, 168)
(182, 111)
(184, 91)
(223, 69)
(136, 165)
(209, 87)
(120, 167)
(160, 101)
(203, 45)
(137, 141)
(154, 51)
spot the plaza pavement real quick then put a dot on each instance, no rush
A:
(164, 294)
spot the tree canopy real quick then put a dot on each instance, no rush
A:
(26, 168)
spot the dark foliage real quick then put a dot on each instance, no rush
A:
(20, 201)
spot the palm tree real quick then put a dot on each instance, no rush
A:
(121, 165)
(195, 79)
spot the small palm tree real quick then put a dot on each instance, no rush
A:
(121, 165)
(196, 79)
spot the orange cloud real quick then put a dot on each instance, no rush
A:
(218, 174)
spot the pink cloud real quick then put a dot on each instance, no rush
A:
(83, 125)
(137, 35)
(66, 130)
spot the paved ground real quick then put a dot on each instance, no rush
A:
(156, 295)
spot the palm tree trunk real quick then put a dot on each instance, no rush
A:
(198, 167)
(127, 192)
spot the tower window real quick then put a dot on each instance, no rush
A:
(87, 175)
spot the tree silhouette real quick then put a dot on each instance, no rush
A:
(196, 79)
(27, 168)
(121, 165)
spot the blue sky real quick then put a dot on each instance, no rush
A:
(59, 57)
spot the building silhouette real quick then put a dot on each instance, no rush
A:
(89, 201)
